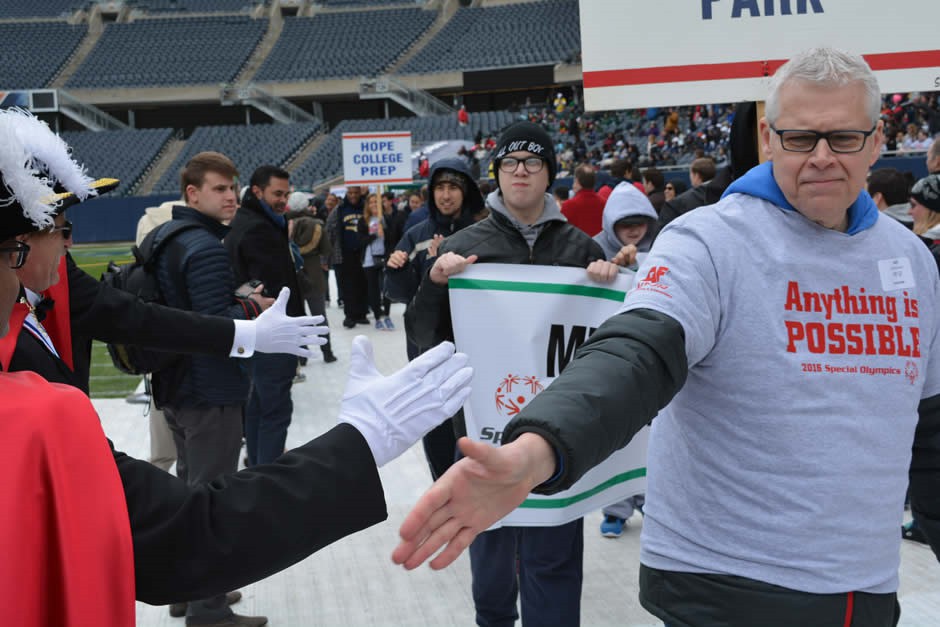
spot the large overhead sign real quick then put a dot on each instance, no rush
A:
(681, 52)
(377, 157)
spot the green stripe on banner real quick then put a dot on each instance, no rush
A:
(543, 288)
(571, 500)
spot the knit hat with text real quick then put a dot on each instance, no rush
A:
(528, 137)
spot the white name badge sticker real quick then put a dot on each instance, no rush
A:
(896, 274)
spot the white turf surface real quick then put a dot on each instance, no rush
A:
(354, 583)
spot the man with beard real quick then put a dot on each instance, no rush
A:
(259, 248)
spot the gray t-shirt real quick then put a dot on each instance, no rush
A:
(784, 458)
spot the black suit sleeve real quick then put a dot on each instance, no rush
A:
(193, 542)
(110, 315)
(620, 378)
(925, 472)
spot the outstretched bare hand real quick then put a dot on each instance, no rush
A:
(474, 493)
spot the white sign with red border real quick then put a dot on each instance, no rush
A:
(684, 52)
(377, 157)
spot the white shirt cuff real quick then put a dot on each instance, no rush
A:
(245, 336)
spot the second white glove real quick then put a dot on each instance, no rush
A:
(394, 412)
(276, 332)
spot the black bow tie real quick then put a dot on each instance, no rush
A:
(43, 307)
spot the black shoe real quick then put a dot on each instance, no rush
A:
(349, 323)
(178, 610)
(235, 620)
(912, 532)
(328, 357)
(361, 320)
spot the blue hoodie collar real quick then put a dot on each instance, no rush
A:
(759, 181)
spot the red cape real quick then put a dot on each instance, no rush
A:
(65, 539)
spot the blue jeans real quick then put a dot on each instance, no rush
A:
(544, 564)
(269, 408)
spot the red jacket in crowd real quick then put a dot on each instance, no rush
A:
(585, 211)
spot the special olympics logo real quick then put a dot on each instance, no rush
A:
(911, 371)
(514, 392)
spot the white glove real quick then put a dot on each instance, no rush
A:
(394, 412)
(276, 332)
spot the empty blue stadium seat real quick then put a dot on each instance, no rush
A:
(124, 155)
(32, 53)
(196, 6)
(170, 51)
(248, 146)
(343, 45)
(530, 33)
(19, 9)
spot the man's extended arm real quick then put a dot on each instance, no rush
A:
(110, 315)
(621, 377)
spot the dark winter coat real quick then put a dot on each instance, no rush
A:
(402, 283)
(260, 249)
(194, 273)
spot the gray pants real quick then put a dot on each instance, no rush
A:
(624, 509)
(208, 441)
(162, 446)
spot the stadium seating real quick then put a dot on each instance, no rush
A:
(170, 51)
(123, 155)
(343, 45)
(196, 6)
(22, 9)
(327, 160)
(248, 146)
(531, 33)
(364, 3)
(34, 52)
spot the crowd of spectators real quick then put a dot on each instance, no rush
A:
(675, 136)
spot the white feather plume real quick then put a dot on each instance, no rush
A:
(33, 159)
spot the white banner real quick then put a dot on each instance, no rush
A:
(520, 325)
(684, 52)
(377, 157)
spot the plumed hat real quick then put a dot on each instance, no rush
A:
(38, 177)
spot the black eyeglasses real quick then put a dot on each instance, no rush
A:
(66, 230)
(670, 187)
(842, 142)
(532, 165)
(15, 253)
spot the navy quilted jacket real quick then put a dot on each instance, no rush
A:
(195, 273)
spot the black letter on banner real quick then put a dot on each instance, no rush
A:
(558, 353)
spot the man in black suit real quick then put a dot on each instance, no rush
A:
(186, 541)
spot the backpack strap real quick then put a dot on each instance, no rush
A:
(157, 239)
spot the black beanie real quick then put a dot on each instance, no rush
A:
(529, 137)
(927, 192)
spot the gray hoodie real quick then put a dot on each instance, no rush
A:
(625, 201)
(901, 213)
(550, 213)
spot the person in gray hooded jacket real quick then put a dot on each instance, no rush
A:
(629, 220)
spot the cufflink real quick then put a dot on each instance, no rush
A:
(241, 350)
